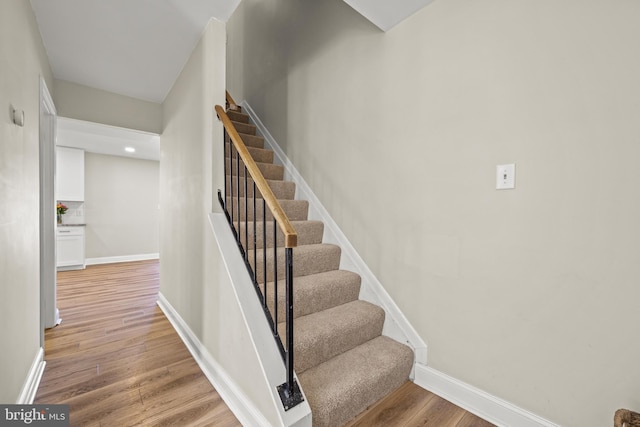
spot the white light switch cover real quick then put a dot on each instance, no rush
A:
(505, 177)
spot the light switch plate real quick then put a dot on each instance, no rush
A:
(506, 177)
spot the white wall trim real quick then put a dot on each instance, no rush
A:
(235, 399)
(476, 401)
(396, 325)
(124, 258)
(31, 384)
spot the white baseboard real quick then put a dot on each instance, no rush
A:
(396, 325)
(30, 387)
(476, 401)
(124, 258)
(240, 405)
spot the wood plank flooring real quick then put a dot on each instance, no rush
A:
(117, 361)
(411, 405)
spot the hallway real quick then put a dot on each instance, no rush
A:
(116, 359)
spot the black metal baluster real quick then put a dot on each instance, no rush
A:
(246, 218)
(275, 277)
(289, 392)
(238, 195)
(289, 315)
(224, 152)
(264, 248)
(231, 180)
(255, 240)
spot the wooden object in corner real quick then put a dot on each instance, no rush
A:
(626, 418)
(231, 104)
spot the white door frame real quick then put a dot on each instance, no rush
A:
(49, 314)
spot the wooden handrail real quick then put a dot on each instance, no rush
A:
(290, 235)
(231, 103)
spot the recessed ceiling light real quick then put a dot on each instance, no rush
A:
(130, 150)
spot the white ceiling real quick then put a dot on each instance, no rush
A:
(104, 139)
(137, 48)
(386, 14)
(130, 47)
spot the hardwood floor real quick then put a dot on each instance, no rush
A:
(117, 361)
(414, 406)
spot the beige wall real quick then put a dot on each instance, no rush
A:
(121, 206)
(186, 156)
(22, 62)
(192, 274)
(529, 294)
(94, 105)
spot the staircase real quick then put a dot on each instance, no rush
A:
(342, 361)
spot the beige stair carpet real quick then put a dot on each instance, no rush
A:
(343, 362)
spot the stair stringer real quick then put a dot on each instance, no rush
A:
(396, 325)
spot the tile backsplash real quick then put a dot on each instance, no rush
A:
(74, 214)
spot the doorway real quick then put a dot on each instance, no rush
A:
(49, 314)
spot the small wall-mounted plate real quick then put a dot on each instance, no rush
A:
(18, 117)
(506, 177)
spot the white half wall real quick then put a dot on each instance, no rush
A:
(193, 278)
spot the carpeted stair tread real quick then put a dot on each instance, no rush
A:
(258, 154)
(309, 232)
(246, 128)
(317, 292)
(269, 170)
(252, 140)
(237, 116)
(296, 210)
(284, 190)
(308, 259)
(325, 334)
(347, 384)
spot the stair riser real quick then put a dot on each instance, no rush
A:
(252, 140)
(258, 154)
(304, 263)
(249, 129)
(269, 171)
(285, 190)
(310, 299)
(332, 336)
(309, 233)
(238, 117)
(296, 210)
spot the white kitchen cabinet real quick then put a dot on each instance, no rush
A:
(69, 174)
(70, 247)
